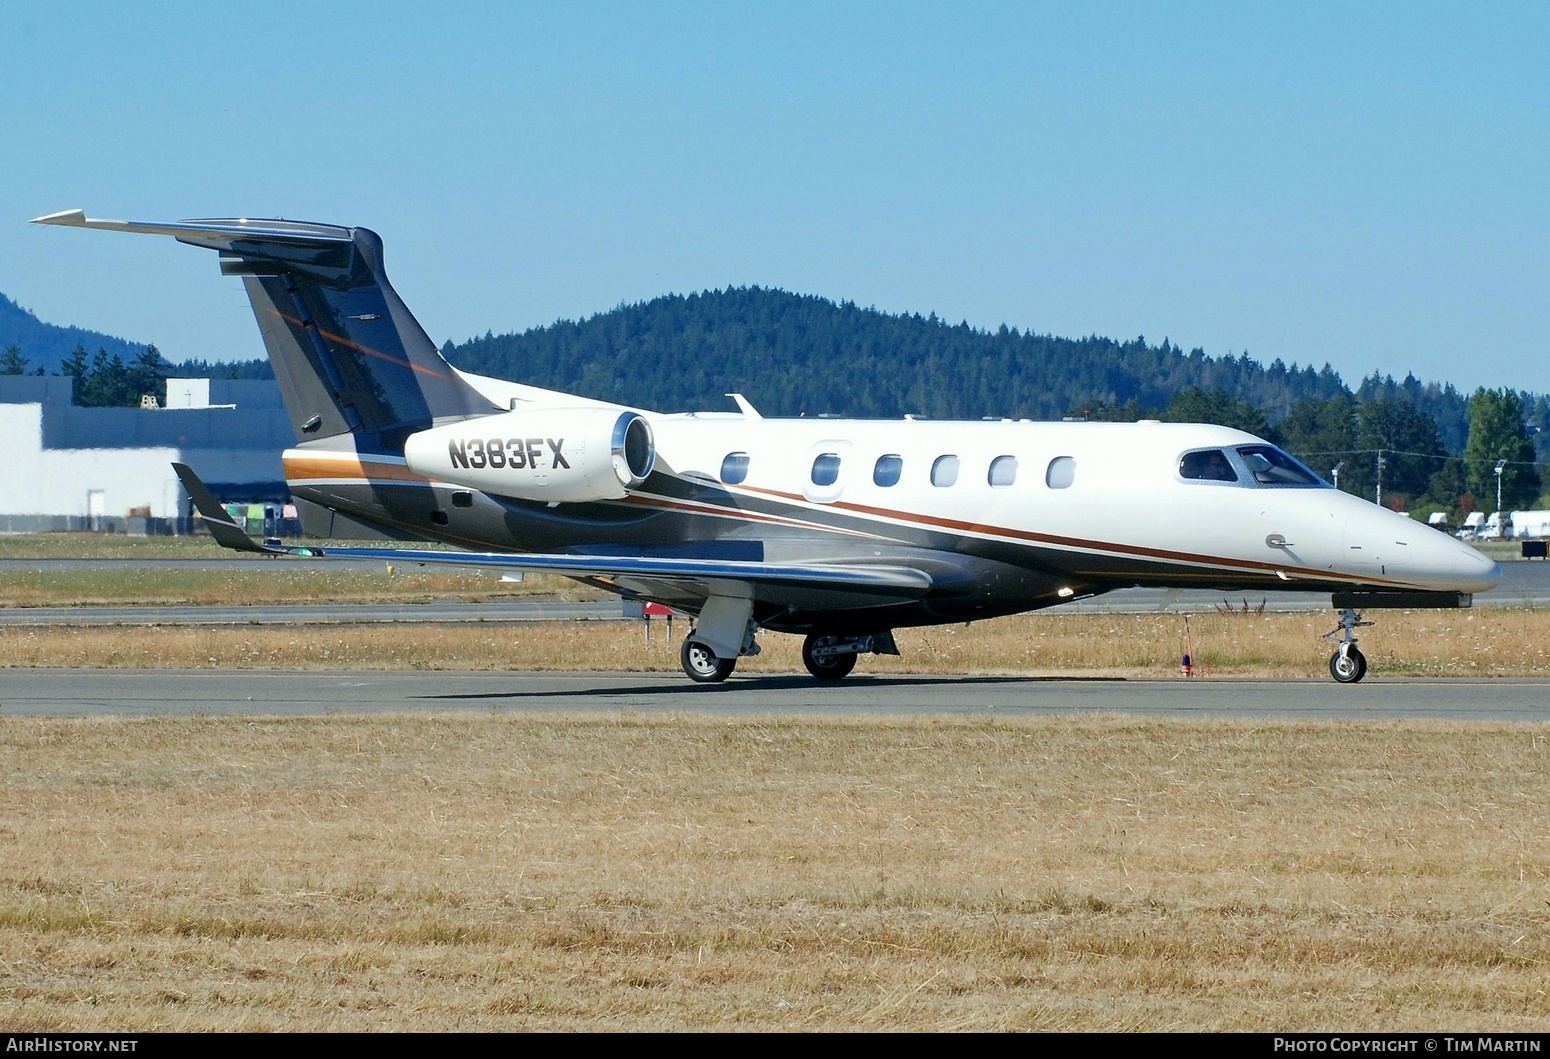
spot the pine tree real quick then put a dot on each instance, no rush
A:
(1496, 433)
(147, 375)
(12, 362)
(74, 366)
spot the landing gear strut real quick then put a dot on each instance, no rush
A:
(1347, 664)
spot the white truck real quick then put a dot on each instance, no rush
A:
(1474, 525)
(1527, 525)
(1508, 525)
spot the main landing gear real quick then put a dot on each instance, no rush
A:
(1347, 664)
(830, 657)
(827, 656)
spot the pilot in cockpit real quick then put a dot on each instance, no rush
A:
(1210, 465)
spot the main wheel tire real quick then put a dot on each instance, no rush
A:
(702, 665)
(832, 667)
(1348, 666)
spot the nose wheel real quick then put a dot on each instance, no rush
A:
(1347, 665)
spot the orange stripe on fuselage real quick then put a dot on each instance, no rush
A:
(311, 468)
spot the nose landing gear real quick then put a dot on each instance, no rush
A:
(1347, 665)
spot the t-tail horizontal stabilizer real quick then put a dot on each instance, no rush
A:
(349, 356)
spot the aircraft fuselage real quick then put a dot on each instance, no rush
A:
(1012, 516)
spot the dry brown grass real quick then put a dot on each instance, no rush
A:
(1498, 642)
(494, 872)
(249, 583)
(123, 546)
(107, 546)
(485, 872)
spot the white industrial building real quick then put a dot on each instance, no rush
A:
(70, 468)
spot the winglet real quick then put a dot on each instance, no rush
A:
(222, 526)
(74, 218)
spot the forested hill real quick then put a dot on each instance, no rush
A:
(796, 354)
(48, 345)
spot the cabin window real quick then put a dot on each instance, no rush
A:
(887, 470)
(1270, 466)
(438, 518)
(1003, 471)
(826, 469)
(462, 498)
(1060, 473)
(1207, 465)
(734, 468)
(944, 472)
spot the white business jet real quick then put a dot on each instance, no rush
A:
(838, 530)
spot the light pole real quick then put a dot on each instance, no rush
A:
(1334, 472)
(1380, 478)
(1501, 465)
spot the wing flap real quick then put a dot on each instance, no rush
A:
(891, 580)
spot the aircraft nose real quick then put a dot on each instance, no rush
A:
(1485, 568)
(1461, 567)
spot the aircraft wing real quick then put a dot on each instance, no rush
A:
(868, 582)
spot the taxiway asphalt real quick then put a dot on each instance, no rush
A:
(182, 693)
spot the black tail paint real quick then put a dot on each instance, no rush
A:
(348, 354)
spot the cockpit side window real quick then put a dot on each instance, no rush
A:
(1207, 465)
(1270, 466)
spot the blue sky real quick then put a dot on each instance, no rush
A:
(1362, 184)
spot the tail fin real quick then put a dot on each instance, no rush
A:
(349, 356)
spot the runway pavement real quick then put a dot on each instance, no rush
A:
(182, 693)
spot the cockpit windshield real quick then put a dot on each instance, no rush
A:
(1270, 466)
(1246, 465)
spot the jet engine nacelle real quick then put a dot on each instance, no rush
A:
(555, 454)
